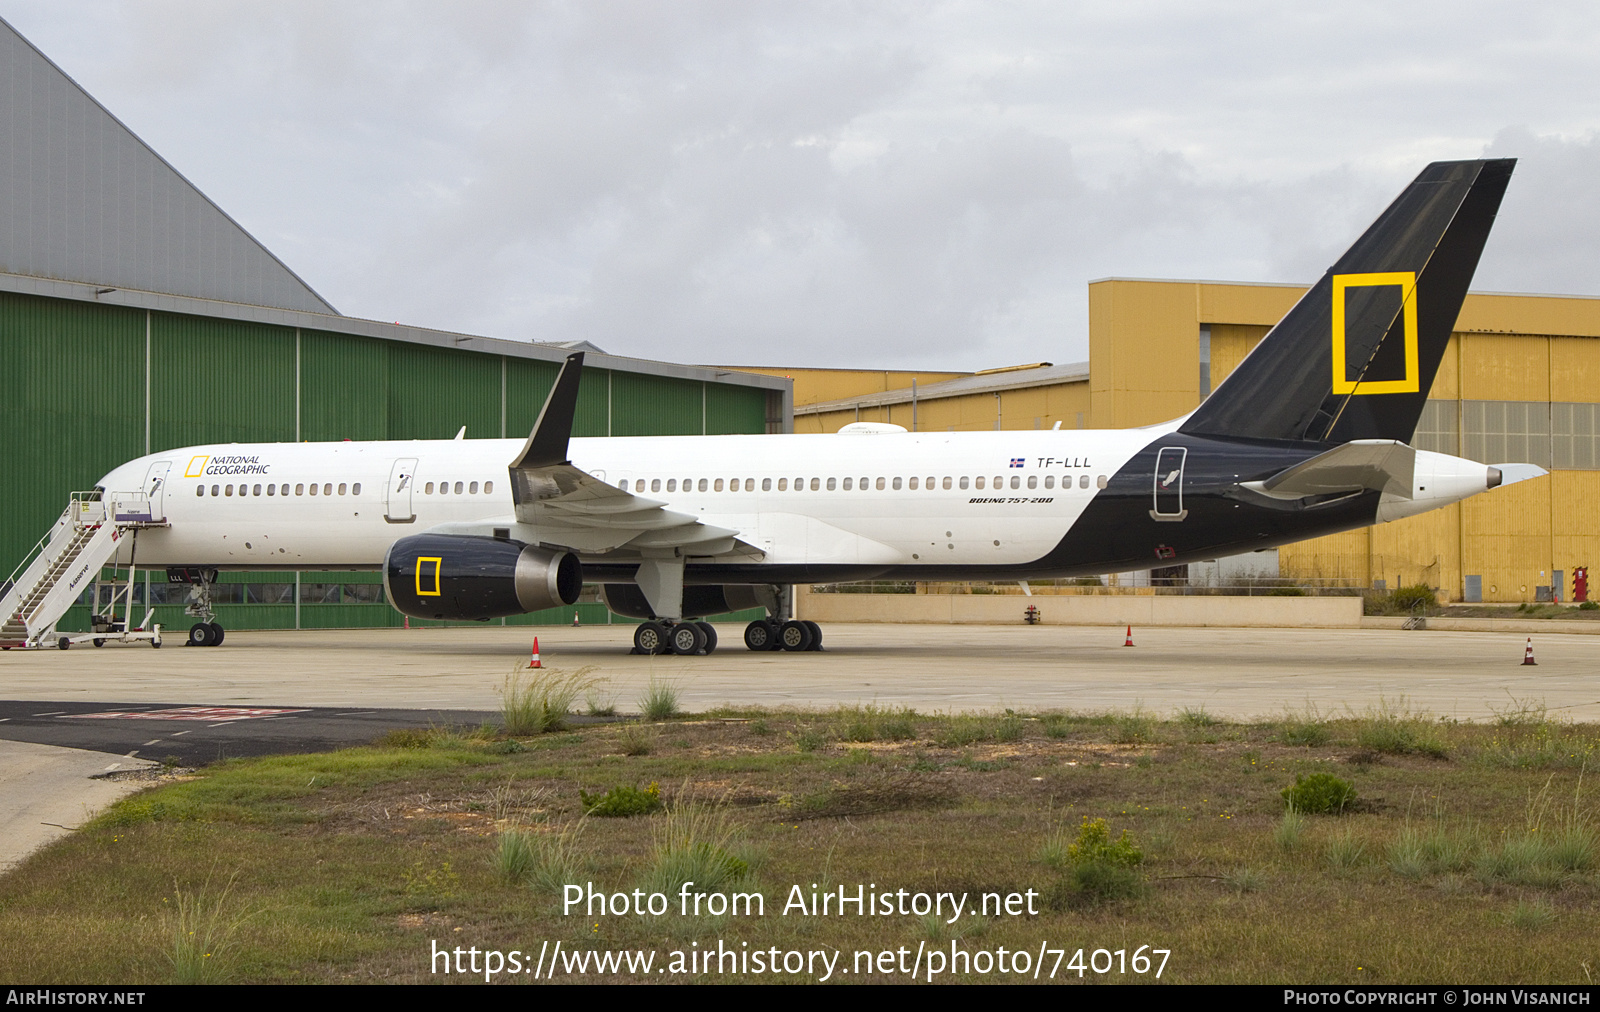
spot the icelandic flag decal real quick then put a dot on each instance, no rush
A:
(1016, 461)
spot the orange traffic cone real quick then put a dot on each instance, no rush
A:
(1129, 641)
(574, 620)
(1527, 655)
(534, 663)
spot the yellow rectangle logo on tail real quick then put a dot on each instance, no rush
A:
(1406, 281)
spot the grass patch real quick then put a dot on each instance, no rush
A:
(534, 701)
(622, 801)
(695, 846)
(1306, 729)
(961, 731)
(659, 701)
(202, 925)
(872, 723)
(1319, 794)
(1395, 730)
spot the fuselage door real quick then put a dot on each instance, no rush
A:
(155, 489)
(397, 506)
(1169, 484)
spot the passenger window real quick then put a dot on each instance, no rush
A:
(488, 488)
(327, 489)
(1033, 481)
(199, 490)
(427, 489)
(913, 484)
(227, 490)
(847, 484)
(298, 490)
(313, 488)
(880, 485)
(930, 484)
(749, 484)
(1100, 481)
(271, 489)
(655, 484)
(343, 488)
(832, 484)
(963, 482)
(766, 484)
(999, 482)
(799, 484)
(815, 484)
(623, 484)
(897, 484)
(717, 485)
(354, 489)
(472, 489)
(1016, 481)
(862, 484)
(702, 484)
(458, 488)
(1050, 481)
(1083, 482)
(783, 484)
(978, 482)
(672, 484)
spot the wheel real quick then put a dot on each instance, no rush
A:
(155, 642)
(795, 636)
(201, 634)
(650, 638)
(758, 635)
(216, 628)
(99, 641)
(63, 643)
(710, 632)
(686, 639)
(816, 634)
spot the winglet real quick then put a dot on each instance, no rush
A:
(547, 443)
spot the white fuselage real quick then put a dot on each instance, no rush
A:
(895, 499)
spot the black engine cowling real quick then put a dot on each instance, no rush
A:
(446, 576)
(627, 600)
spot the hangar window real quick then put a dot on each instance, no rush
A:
(783, 484)
(1083, 481)
(1033, 481)
(199, 490)
(766, 484)
(847, 484)
(488, 488)
(1100, 482)
(880, 485)
(460, 487)
(832, 484)
(976, 482)
(655, 484)
(913, 485)
(897, 484)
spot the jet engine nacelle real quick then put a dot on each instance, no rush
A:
(627, 600)
(447, 576)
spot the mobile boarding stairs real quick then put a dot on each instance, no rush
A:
(94, 532)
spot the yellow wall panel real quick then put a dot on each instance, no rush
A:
(1144, 366)
(1531, 314)
(1261, 305)
(1575, 368)
(1230, 343)
(814, 386)
(1505, 367)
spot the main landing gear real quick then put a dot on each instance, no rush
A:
(795, 635)
(205, 634)
(684, 638)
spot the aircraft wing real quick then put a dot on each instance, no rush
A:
(1379, 465)
(572, 508)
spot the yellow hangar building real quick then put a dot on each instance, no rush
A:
(1520, 382)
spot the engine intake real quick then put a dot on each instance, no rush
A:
(447, 576)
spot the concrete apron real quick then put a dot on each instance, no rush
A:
(47, 791)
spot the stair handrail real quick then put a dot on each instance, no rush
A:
(72, 514)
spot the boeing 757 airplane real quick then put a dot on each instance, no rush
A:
(1308, 436)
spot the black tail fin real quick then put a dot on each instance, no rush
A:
(1356, 356)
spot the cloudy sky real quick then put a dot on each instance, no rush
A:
(910, 185)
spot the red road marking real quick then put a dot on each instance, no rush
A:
(209, 713)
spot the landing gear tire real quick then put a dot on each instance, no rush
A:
(650, 638)
(710, 632)
(202, 634)
(216, 629)
(816, 634)
(686, 639)
(760, 635)
(795, 636)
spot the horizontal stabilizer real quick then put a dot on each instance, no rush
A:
(1510, 474)
(1377, 465)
